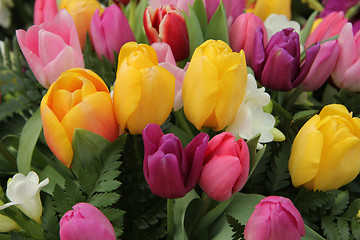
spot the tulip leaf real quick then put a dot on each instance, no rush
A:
(255, 155)
(217, 28)
(305, 31)
(196, 37)
(199, 9)
(28, 139)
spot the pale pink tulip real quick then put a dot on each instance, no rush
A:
(51, 48)
(110, 31)
(44, 11)
(346, 73)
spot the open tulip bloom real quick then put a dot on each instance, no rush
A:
(179, 119)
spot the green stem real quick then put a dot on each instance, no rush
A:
(170, 219)
(7, 155)
(180, 118)
(294, 96)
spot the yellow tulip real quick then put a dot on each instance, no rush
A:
(143, 91)
(214, 85)
(77, 99)
(264, 8)
(325, 153)
(82, 12)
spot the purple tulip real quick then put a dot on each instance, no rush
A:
(85, 222)
(110, 31)
(336, 6)
(278, 66)
(170, 170)
(275, 218)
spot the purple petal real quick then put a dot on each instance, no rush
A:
(258, 58)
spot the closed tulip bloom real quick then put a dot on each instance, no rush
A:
(180, 4)
(242, 33)
(346, 73)
(226, 167)
(275, 218)
(85, 222)
(214, 85)
(170, 170)
(325, 152)
(51, 48)
(143, 91)
(82, 12)
(110, 31)
(78, 99)
(44, 11)
(264, 8)
(330, 26)
(167, 24)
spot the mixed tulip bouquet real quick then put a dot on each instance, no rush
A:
(180, 119)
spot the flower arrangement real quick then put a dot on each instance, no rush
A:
(179, 119)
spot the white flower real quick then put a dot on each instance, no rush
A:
(5, 14)
(24, 192)
(251, 119)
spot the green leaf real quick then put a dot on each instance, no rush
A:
(217, 28)
(329, 227)
(28, 139)
(353, 209)
(113, 213)
(194, 30)
(50, 220)
(55, 178)
(200, 11)
(305, 31)
(307, 201)
(340, 203)
(136, 21)
(255, 156)
(236, 227)
(355, 228)
(104, 199)
(304, 115)
(343, 229)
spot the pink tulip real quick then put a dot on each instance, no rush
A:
(166, 59)
(85, 222)
(322, 66)
(242, 34)
(346, 73)
(275, 218)
(233, 8)
(44, 11)
(226, 167)
(110, 31)
(330, 26)
(51, 48)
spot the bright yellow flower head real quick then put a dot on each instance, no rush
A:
(144, 91)
(326, 151)
(214, 85)
(264, 8)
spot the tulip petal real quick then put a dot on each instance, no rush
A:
(258, 225)
(151, 136)
(244, 157)
(98, 36)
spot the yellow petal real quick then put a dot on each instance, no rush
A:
(335, 109)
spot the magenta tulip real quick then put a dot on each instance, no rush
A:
(275, 218)
(110, 31)
(166, 24)
(233, 8)
(242, 34)
(226, 167)
(51, 48)
(85, 222)
(44, 11)
(336, 6)
(346, 73)
(170, 170)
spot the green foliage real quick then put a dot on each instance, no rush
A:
(236, 227)
(350, 100)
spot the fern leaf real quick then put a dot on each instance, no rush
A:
(104, 199)
(352, 209)
(343, 229)
(355, 229)
(311, 201)
(340, 203)
(236, 227)
(329, 227)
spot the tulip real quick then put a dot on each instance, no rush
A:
(51, 48)
(44, 11)
(275, 218)
(214, 85)
(324, 155)
(226, 167)
(85, 222)
(330, 26)
(166, 59)
(242, 34)
(166, 24)
(336, 6)
(24, 192)
(7, 224)
(277, 22)
(78, 99)
(170, 170)
(346, 72)
(82, 12)
(180, 4)
(322, 66)
(264, 8)
(233, 8)
(278, 65)
(143, 91)
(110, 31)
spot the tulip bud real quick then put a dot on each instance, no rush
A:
(170, 170)
(85, 222)
(275, 218)
(78, 99)
(226, 167)
(51, 48)
(110, 31)
(166, 24)
(264, 8)
(328, 141)
(143, 91)
(214, 85)
(44, 11)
